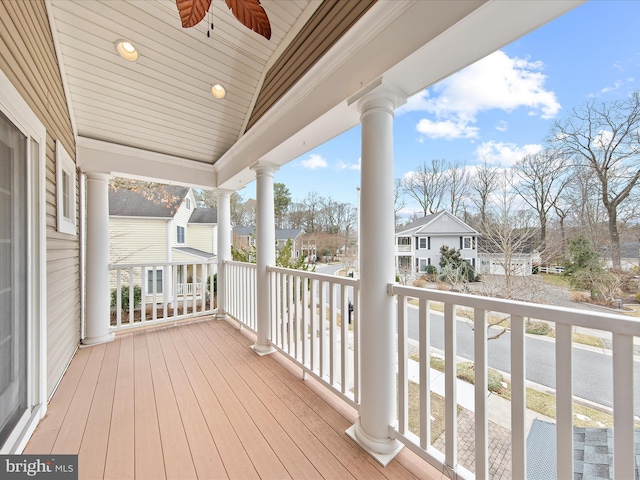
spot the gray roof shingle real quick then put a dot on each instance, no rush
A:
(132, 203)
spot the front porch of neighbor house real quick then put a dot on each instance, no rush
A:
(193, 401)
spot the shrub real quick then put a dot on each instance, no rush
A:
(578, 296)
(431, 270)
(638, 297)
(124, 297)
(420, 282)
(538, 328)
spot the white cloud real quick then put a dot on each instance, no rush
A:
(502, 126)
(314, 161)
(505, 154)
(495, 82)
(615, 86)
(618, 67)
(446, 129)
(349, 166)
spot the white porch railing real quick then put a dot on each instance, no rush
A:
(144, 294)
(240, 288)
(404, 248)
(312, 324)
(623, 330)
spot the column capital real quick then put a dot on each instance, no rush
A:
(380, 93)
(262, 167)
(98, 175)
(220, 192)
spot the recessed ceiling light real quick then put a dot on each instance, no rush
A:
(218, 91)
(127, 50)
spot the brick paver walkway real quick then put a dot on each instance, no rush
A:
(499, 446)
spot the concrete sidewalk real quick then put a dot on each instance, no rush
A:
(498, 408)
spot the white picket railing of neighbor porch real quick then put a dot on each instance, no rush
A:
(165, 292)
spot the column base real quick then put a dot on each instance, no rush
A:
(221, 316)
(383, 451)
(89, 342)
(263, 350)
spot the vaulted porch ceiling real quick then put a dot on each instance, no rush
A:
(284, 96)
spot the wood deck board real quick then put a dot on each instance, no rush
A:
(175, 446)
(295, 421)
(194, 401)
(149, 463)
(262, 456)
(236, 461)
(93, 449)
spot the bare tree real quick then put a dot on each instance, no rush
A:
(313, 205)
(508, 230)
(540, 180)
(427, 185)
(606, 138)
(242, 213)
(398, 201)
(482, 185)
(458, 182)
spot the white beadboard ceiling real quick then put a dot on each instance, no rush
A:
(163, 103)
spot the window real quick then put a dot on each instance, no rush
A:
(422, 242)
(150, 282)
(423, 265)
(180, 234)
(468, 243)
(188, 204)
(65, 191)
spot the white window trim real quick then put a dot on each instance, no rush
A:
(426, 243)
(464, 238)
(420, 269)
(17, 110)
(184, 236)
(147, 271)
(64, 165)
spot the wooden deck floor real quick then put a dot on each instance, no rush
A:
(194, 401)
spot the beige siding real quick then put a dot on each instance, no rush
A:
(135, 240)
(181, 218)
(28, 59)
(200, 237)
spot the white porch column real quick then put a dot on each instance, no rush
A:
(265, 251)
(97, 261)
(223, 250)
(377, 320)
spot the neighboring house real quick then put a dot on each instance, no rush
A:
(244, 237)
(493, 262)
(149, 231)
(629, 256)
(418, 244)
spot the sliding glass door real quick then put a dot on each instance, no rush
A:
(13, 276)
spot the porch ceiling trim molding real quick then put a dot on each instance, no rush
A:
(120, 160)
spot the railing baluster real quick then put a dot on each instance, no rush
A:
(518, 398)
(403, 366)
(323, 346)
(132, 300)
(305, 320)
(314, 324)
(356, 344)
(424, 339)
(154, 301)
(143, 306)
(332, 336)
(119, 299)
(564, 401)
(481, 388)
(344, 324)
(451, 412)
(623, 423)
(295, 279)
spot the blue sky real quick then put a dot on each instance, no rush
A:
(499, 109)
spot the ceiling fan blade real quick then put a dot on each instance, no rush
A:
(192, 11)
(251, 14)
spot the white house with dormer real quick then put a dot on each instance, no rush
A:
(418, 244)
